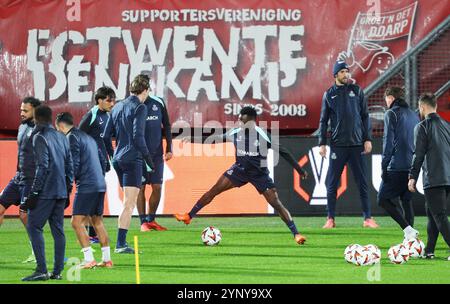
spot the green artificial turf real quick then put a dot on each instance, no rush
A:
(253, 250)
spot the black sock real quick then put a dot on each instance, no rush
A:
(91, 231)
(409, 212)
(151, 217)
(292, 227)
(197, 207)
(143, 218)
(121, 238)
(394, 212)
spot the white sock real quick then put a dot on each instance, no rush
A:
(88, 254)
(410, 231)
(106, 254)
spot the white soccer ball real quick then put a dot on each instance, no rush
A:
(363, 256)
(398, 254)
(415, 247)
(375, 253)
(211, 236)
(349, 253)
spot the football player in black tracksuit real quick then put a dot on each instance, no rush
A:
(252, 144)
(18, 188)
(157, 118)
(432, 154)
(91, 187)
(131, 154)
(49, 193)
(94, 123)
(345, 107)
(398, 148)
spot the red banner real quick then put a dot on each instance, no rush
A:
(204, 57)
(375, 36)
(186, 178)
(385, 26)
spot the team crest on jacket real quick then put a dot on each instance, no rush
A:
(155, 108)
(351, 94)
(256, 143)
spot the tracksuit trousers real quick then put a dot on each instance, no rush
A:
(339, 157)
(51, 210)
(437, 199)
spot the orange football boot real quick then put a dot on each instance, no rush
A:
(329, 224)
(370, 223)
(155, 226)
(108, 264)
(183, 218)
(299, 239)
(88, 265)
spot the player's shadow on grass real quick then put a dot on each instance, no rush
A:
(230, 246)
(240, 271)
(6, 267)
(279, 256)
(240, 231)
(308, 231)
(259, 255)
(346, 233)
(15, 265)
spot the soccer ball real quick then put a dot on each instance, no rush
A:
(211, 236)
(398, 254)
(363, 256)
(349, 253)
(375, 253)
(415, 247)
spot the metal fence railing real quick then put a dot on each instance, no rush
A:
(424, 68)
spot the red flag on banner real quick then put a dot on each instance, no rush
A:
(374, 35)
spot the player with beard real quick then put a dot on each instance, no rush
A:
(18, 188)
(344, 105)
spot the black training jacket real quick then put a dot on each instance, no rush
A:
(26, 165)
(432, 152)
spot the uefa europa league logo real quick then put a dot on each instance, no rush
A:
(319, 167)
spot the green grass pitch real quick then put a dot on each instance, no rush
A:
(253, 250)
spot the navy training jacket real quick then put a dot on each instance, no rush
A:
(128, 125)
(86, 164)
(157, 117)
(346, 109)
(53, 163)
(26, 166)
(398, 137)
